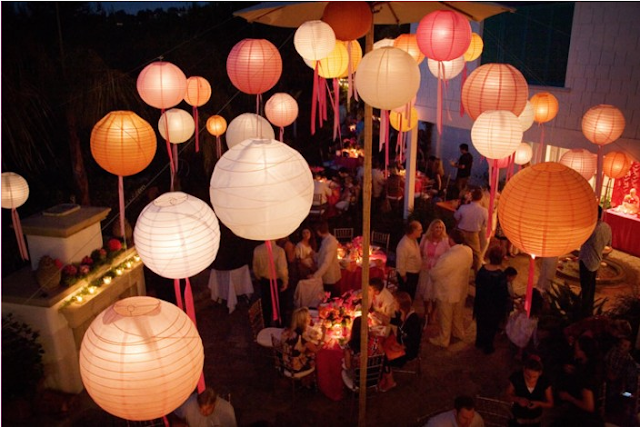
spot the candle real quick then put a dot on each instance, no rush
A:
(136, 258)
(79, 299)
(92, 290)
(119, 271)
(106, 280)
(128, 264)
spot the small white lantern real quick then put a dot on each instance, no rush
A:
(314, 40)
(176, 126)
(261, 189)
(446, 70)
(15, 190)
(177, 235)
(582, 161)
(524, 153)
(141, 358)
(496, 134)
(247, 126)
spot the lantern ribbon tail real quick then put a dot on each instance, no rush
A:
(336, 110)
(178, 292)
(165, 420)
(121, 205)
(175, 156)
(166, 128)
(275, 300)
(324, 88)
(314, 99)
(464, 78)
(349, 76)
(439, 107)
(493, 174)
(281, 134)
(218, 147)
(195, 119)
(17, 227)
(529, 295)
(188, 302)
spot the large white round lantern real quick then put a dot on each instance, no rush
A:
(387, 78)
(314, 40)
(162, 85)
(141, 358)
(176, 125)
(261, 189)
(15, 190)
(524, 153)
(177, 235)
(496, 134)
(247, 126)
(582, 161)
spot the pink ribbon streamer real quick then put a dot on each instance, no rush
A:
(171, 165)
(275, 299)
(529, 295)
(439, 107)
(175, 156)
(218, 146)
(464, 78)
(494, 173)
(191, 312)
(322, 85)
(195, 119)
(121, 205)
(178, 292)
(281, 134)
(314, 99)
(336, 110)
(17, 227)
(349, 74)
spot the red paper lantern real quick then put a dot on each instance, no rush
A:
(443, 35)
(603, 124)
(162, 85)
(616, 164)
(254, 66)
(349, 20)
(494, 87)
(545, 107)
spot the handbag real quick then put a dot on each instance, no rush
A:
(392, 348)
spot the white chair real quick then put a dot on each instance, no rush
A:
(309, 293)
(343, 234)
(318, 208)
(228, 284)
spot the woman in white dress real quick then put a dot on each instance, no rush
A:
(305, 253)
(434, 243)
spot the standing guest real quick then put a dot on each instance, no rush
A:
(408, 258)
(450, 277)
(463, 415)
(305, 252)
(262, 272)
(433, 244)
(382, 303)
(530, 392)
(203, 410)
(394, 186)
(327, 260)
(463, 165)
(491, 300)
(590, 258)
(472, 219)
(286, 302)
(521, 327)
(321, 186)
(435, 172)
(377, 184)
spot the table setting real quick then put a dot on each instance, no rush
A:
(350, 259)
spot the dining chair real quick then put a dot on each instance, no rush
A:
(375, 365)
(284, 368)
(380, 239)
(318, 208)
(494, 412)
(343, 234)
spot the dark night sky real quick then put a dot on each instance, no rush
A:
(134, 7)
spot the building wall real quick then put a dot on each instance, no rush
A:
(603, 68)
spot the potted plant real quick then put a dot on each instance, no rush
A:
(48, 274)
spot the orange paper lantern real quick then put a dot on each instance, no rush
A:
(254, 66)
(216, 125)
(409, 44)
(547, 210)
(123, 143)
(162, 85)
(349, 20)
(616, 164)
(603, 124)
(582, 161)
(198, 91)
(475, 48)
(545, 107)
(443, 35)
(494, 87)
(335, 64)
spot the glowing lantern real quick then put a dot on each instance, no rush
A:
(388, 42)
(217, 125)
(616, 164)
(177, 124)
(403, 122)
(547, 210)
(15, 192)
(314, 40)
(446, 70)
(603, 124)
(162, 85)
(254, 66)
(582, 161)
(494, 87)
(349, 20)
(335, 64)
(141, 358)
(504, 162)
(496, 134)
(526, 117)
(355, 56)
(281, 110)
(198, 94)
(409, 44)
(475, 48)
(443, 35)
(523, 154)
(387, 78)
(261, 189)
(545, 107)
(248, 126)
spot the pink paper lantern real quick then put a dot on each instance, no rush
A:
(496, 134)
(603, 124)
(281, 109)
(254, 66)
(443, 35)
(162, 85)
(582, 161)
(198, 91)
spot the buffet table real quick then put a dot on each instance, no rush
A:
(625, 231)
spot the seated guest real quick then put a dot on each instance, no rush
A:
(352, 350)
(622, 378)
(530, 392)
(298, 347)
(321, 186)
(383, 305)
(394, 185)
(463, 415)
(203, 410)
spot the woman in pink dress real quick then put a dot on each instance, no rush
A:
(434, 243)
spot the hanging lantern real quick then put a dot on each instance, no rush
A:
(527, 117)
(603, 124)
(178, 124)
(582, 161)
(496, 134)
(494, 87)
(409, 44)
(248, 126)
(281, 110)
(335, 64)
(616, 164)
(216, 125)
(177, 235)
(355, 56)
(504, 162)
(349, 20)
(15, 190)
(387, 78)
(403, 122)
(523, 154)
(162, 85)
(545, 107)
(443, 35)
(198, 91)
(446, 70)
(141, 358)
(475, 48)
(254, 66)
(314, 40)
(261, 189)
(387, 42)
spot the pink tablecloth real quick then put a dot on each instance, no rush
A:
(347, 162)
(626, 231)
(329, 370)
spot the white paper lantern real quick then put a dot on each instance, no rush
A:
(450, 68)
(524, 153)
(261, 189)
(176, 125)
(247, 126)
(281, 109)
(387, 78)
(527, 116)
(582, 161)
(177, 235)
(388, 42)
(141, 358)
(15, 190)
(314, 40)
(496, 133)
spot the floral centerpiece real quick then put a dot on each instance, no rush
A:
(337, 314)
(72, 273)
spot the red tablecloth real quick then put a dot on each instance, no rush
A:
(347, 162)
(329, 371)
(352, 279)
(625, 230)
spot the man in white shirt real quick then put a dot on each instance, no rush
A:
(463, 415)
(408, 259)
(262, 272)
(472, 219)
(206, 409)
(322, 187)
(383, 304)
(327, 259)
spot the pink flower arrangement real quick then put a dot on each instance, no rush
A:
(84, 270)
(87, 260)
(70, 270)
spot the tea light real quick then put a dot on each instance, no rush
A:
(136, 258)
(128, 264)
(119, 271)
(106, 280)
(92, 290)
(79, 299)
